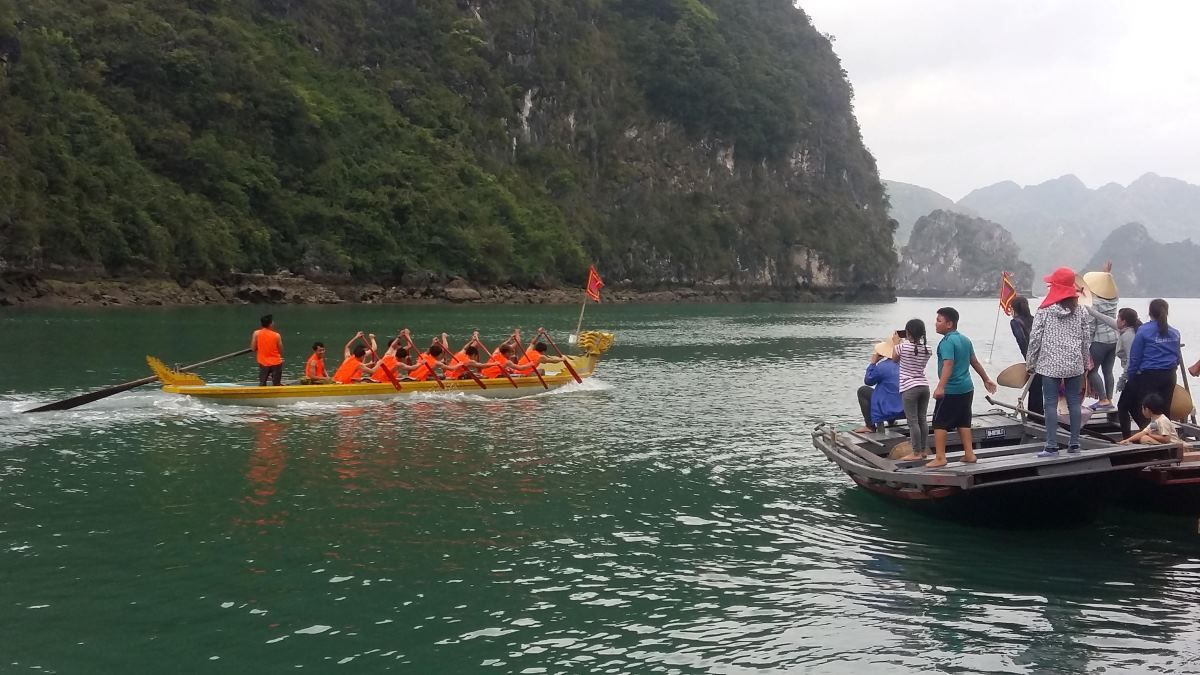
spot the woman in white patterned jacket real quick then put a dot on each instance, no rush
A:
(1058, 351)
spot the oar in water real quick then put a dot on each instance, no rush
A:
(517, 341)
(502, 369)
(542, 332)
(76, 401)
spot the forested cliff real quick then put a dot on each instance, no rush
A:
(514, 141)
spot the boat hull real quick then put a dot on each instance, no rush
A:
(498, 388)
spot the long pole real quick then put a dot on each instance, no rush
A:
(995, 326)
(76, 401)
(1183, 372)
(579, 324)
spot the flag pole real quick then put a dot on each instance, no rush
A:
(575, 336)
(996, 325)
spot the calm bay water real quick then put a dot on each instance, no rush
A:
(670, 515)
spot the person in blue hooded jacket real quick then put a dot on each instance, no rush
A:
(879, 397)
(1153, 358)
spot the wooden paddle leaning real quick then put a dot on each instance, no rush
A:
(517, 341)
(502, 368)
(416, 351)
(542, 332)
(76, 401)
(386, 371)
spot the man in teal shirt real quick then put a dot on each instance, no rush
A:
(954, 393)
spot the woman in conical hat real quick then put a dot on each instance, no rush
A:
(1059, 344)
(1104, 337)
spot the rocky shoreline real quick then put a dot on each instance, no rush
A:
(28, 290)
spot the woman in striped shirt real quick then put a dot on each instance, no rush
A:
(913, 355)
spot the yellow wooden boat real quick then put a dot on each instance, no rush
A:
(592, 343)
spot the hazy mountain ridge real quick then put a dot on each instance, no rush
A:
(955, 254)
(1144, 267)
(908, 202)
(1063, 222)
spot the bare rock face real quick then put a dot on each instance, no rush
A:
(956, 255)
(458, 290)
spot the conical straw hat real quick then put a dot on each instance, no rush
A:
(888, 347)
(1181, 404)
(1102, 284)
(1013, 376)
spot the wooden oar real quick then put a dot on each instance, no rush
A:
(76, 401)
(465, 367)
(543, 333)
(432, 372)
(502, 368)
(383, 366)
(517, 341)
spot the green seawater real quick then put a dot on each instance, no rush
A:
(668, 516)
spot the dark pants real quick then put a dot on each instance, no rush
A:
(864, 404)
(273, 372)
(1034, 403)
(1100, 377)
(1161, 382)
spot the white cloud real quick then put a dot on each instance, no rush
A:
(959, 94)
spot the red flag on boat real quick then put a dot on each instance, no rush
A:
(594, 284)
(1008, 292)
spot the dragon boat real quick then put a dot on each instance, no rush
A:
(593, 344)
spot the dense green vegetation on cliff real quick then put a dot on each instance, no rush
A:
(668, 140)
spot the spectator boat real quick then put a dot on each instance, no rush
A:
(1009, 485)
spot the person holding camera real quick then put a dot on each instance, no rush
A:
(913, 354)
(879, 397)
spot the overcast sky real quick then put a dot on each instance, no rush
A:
(958, 94)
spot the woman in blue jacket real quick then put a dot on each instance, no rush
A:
(1153, 357)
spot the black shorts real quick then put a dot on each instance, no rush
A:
(953, 411)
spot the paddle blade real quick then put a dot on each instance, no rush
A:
(1013, 376)
(171, 377)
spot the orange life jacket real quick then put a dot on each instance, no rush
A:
(315, 367)
(388, 361)
(529, 359)
(268, 347)
(498, 369)
(459, 371)
(425, 369)
(349, 371)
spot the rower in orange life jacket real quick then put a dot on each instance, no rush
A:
(462, 361)
(268, 350)
(314, 368)
(353, 369)
(533, 357)
(427, 361)
(500, 362)
(391, 360)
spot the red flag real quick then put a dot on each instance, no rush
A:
(594, 284)
(1008, 292)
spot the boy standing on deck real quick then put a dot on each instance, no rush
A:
(268, 351)
(954, 393)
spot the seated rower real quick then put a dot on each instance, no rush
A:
(535, 356)
(427, 362)
(353, 367)
(314, 368)
(462, 360)
(393, 363)
(500, 362)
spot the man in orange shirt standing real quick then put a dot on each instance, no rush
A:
(268, 350)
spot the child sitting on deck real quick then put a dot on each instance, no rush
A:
(1160, 429)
